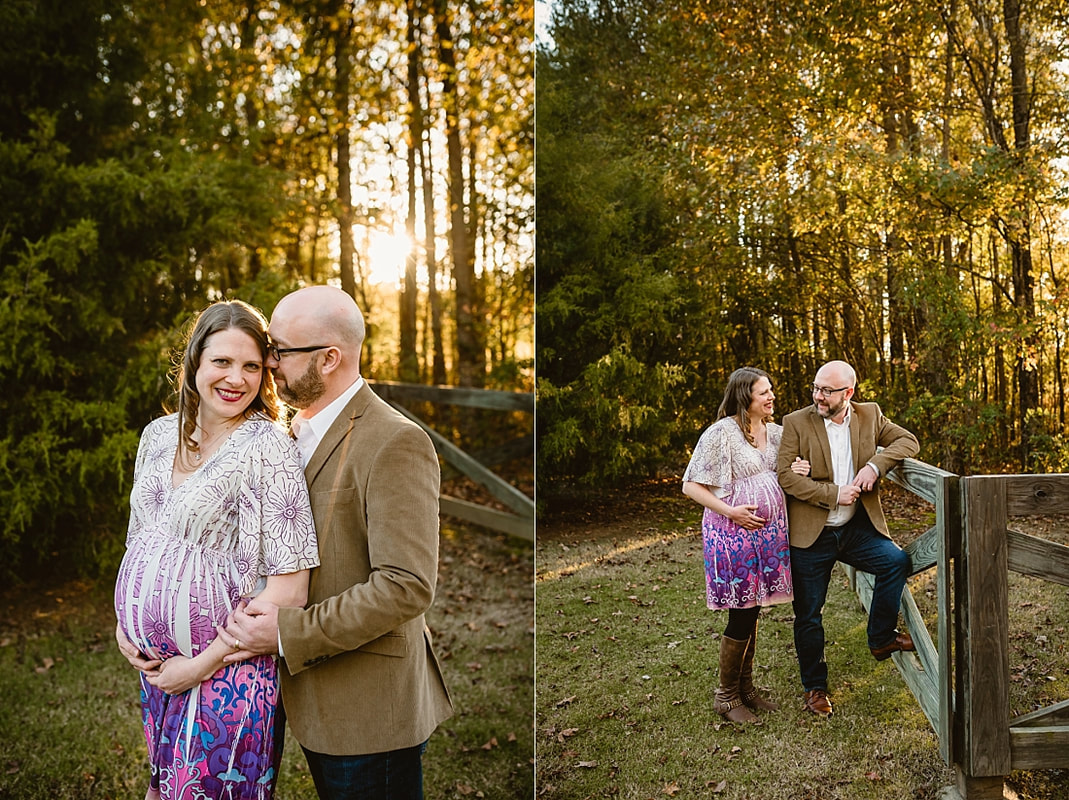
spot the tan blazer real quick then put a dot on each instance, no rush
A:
(810, 498)
(359, 673)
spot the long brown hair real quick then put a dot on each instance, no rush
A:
(737, 398)
(218, 317)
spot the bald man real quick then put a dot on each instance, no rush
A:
(834, 514)
(361, 686)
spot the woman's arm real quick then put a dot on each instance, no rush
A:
(179, 674)
(286, 590)
(742, 516)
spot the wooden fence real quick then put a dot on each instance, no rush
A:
(963, 685)
(519, 519)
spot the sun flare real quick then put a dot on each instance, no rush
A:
(386, 254)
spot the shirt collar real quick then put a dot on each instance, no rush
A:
(321, 422)
(846, 419)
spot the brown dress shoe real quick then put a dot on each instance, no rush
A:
(902, 641)
(818, 702)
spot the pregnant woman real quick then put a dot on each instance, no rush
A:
(732, 473)
(219, 512)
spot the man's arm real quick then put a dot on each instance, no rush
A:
(896, 441)
(402, 539)
(819, 491)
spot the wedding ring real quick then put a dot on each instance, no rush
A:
(237, 644)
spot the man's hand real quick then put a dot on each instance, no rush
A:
(865, 479)
(137, 659)
(251, 629)
(848, 494)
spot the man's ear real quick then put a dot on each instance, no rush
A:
(331, 360)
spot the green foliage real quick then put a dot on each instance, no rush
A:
(100, 264)
(154, 159)
(1048, 452)
(810, 187)
(614, 421)
(609, 359)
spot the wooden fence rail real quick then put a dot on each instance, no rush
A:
(961, 679)
(519, 519)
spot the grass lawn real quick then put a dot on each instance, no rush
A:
(627, 666)
(70, 716)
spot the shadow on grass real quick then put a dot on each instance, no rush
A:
(70, 716)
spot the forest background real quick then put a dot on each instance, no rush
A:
(782, 183)
(155, 157)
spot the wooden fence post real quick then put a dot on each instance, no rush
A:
(983, 641)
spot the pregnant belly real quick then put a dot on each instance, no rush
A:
(167, 612)
(762, 492)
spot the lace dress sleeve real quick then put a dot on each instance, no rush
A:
(710, 463)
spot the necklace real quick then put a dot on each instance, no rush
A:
(201, 446)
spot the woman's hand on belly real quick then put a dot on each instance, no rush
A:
(137, 659)
(176, 675)
(179, 674)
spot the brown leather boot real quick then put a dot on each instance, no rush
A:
(749, 693)
(728, 702)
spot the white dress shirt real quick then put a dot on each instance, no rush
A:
(842, 461)
(309, 431)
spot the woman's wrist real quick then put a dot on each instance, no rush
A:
(210, 660)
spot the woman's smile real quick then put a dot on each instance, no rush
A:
(230, 395)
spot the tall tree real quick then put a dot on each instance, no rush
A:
(342, 26)
(409, 367)
(470, 350)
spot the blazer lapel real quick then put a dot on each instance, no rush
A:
(820, 433)
(338, 432)
(855, 438)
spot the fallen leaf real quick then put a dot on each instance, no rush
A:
(564, 734)
(490, 745)
(672, 789)
(587, 764)
(566, 701)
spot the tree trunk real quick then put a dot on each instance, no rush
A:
(343, 73)
(468, 346)
(434, 298)
(409, 366)
(1020, 238)
(1001, 398)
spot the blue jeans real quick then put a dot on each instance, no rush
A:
(394, 775)
(861, 546)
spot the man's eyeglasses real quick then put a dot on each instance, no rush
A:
(824, 391)
(277, 352)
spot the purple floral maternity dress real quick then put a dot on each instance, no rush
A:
(192, 552)
(743, 568)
